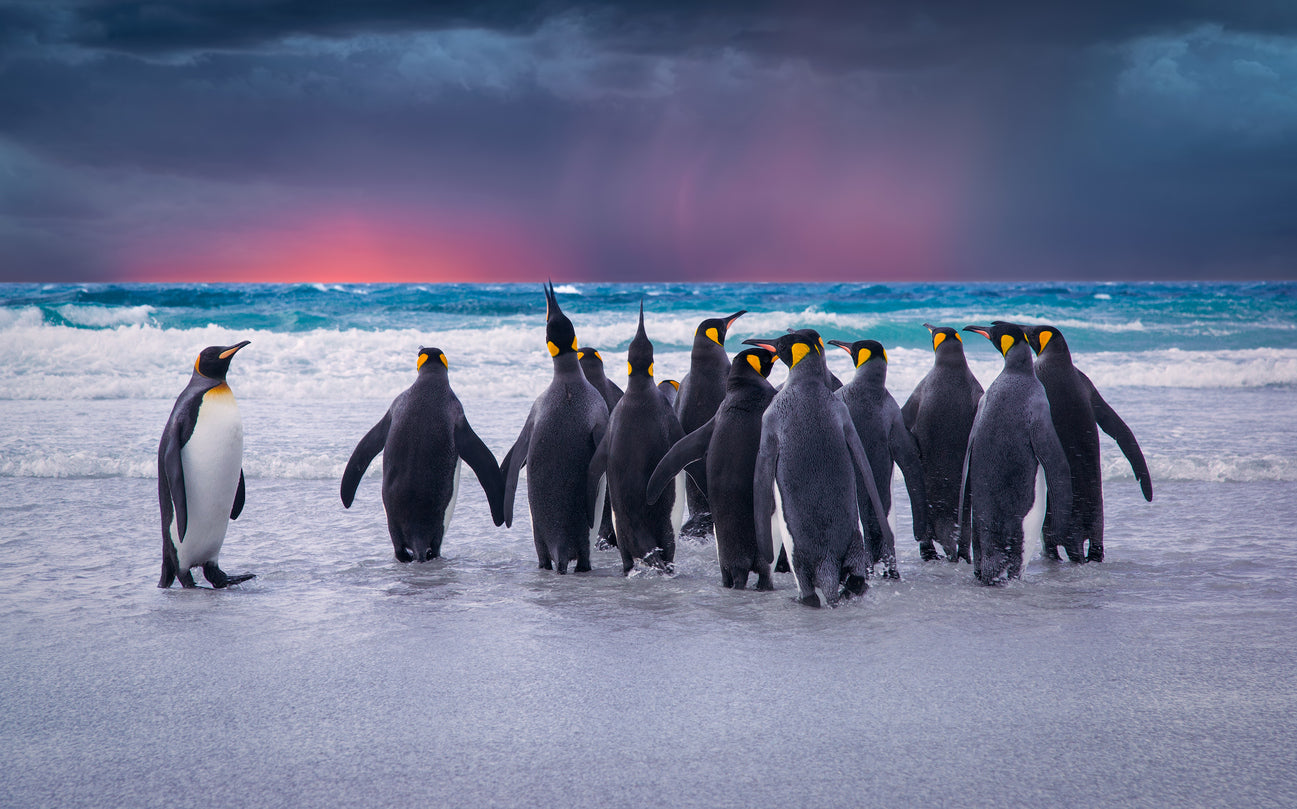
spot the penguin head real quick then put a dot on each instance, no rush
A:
(793, 347)
(761, 360)
(431, 360)
(715, 328)
(1004, 336)
(214, 361)
(589, 357)
(863, 351)
(940, 334)
(674, 384)
(639, 357)
(560, 336)
(1041, 337)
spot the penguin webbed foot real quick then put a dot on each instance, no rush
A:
(854, 585)
(928, 552)
(220, 579)
(404, 555)
(698, 526)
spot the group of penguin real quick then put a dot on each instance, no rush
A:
(795, 477)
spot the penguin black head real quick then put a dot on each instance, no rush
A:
(792, 347)
(1041, 336)
(715, 328)
(437, 357)
(589, 356)
(639, 357)
(941, 334)
(1002, 335)
(214, 361)
(862, 351)
(560, 336)
(761, 360)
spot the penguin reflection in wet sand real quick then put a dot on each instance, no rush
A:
(728, 444)
(592, 367)
(200, 473)
(640, 431)
(882, 431)
(557, 442)
(1012, 440)
(1077, 408)
(810, 469)
(701, 392)
(423, 436)
(939, 414)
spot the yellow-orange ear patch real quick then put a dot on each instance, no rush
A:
(650, 369)
(553, 349)
(630, 369)
(714, 335)
(1045, 338)
(574, 344)
(1006, 343)
(419, 362)
(938, 339)
(754, 362)
(863, 357)
(443, 359)
(799, 351)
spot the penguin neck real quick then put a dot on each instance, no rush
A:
(430, 377)
(594, 373)
(746, 379)
(201, 382)
(567, 363)
(640, 383)
(951, 357)
(810, 371)
(1057, 351)
(1018, 360)
(871, 375)
(705, 348)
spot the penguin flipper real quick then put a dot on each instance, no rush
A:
(175, 479)
(514, 460)
(691, 448)
(763, 493)
(865, 475)
(365, 452)
(476, 454)
(905, 450)
(1112, 424)
(239, 495)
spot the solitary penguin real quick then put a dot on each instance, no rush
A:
(1012, 440)
(939, 414)
(1076, 408)
(423, 437)
(810, 470)
(565, 425)
(878, 422)
(641, 428)
(729, 442)
(200, 473)
(701, 392)
(592, 367)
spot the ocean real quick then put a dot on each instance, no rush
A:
(339, 677)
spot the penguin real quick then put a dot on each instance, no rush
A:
(1077, 409)
(701, 392)
(423, 436)
(729, 442)
(557, 442)
(1012, 440)
(669, 389)
(878, 422)
(939, 414)
(200, 473)
(641, 428)
(809, 473)
(592, 367)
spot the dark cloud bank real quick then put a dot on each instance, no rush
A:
(931, 140)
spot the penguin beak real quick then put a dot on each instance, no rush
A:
(729, 321)
(844, 346)
(234, 349)
(985, 332)
(931, 328)
(766, 344)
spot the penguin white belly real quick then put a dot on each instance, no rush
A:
(1034, 520)
(211, 461)
(450, 504)
(780, 534)
(598, 511)
(678, 508)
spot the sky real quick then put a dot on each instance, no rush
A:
(939, 140)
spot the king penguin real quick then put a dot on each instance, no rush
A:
(882, 431)
(728, 443)
(810, 470)
(641, 428)
(557, 442)
(939, 414)
(701, 392)
(592, 367)
(1077, 409)
(423, 437)
(200, 473)
(1012, 440)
